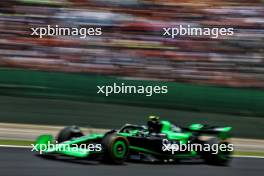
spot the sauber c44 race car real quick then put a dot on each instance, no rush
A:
(159, 141)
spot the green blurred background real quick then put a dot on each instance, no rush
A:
(39, 97)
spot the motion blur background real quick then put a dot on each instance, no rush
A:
(53, 80)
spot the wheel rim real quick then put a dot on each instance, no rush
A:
(224, 155)
(119, 149)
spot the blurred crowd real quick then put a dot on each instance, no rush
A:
(132, 44)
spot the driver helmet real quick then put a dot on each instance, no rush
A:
(153, 118)
(153, 124)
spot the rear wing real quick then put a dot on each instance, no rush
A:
(222, 132)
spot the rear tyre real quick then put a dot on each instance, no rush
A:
(68, 133)
(219, 158)
(115, 149)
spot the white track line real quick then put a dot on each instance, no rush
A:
(15, 146)
(245, 156)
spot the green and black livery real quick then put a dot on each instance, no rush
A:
(135, 142)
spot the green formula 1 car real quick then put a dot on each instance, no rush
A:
(159, 141)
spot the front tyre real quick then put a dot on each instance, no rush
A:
(220, 157)
(116, 148)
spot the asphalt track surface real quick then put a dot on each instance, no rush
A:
(22, 162)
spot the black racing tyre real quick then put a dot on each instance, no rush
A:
(68, 133)
(116, 148)
(220, 158)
